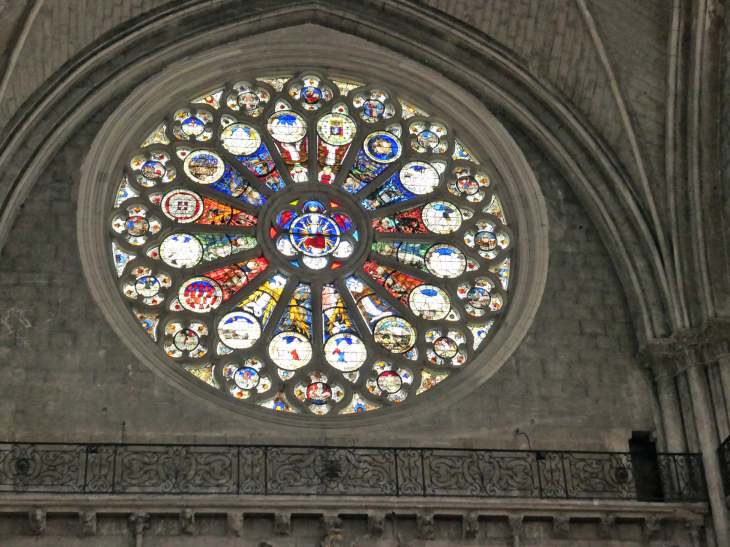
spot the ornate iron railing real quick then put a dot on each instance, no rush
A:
(294, 470)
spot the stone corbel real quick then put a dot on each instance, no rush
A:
(235, 524)
(561, 527)
(376, 524)
(606, 526)
(516, 527)
(37, 521)
(138, 523)
(424, 526)
(652, 528)
(470, 525)
(187, 522)
(87, 523)
(282, 524)
(331, 522)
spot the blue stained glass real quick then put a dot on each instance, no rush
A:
(391, 191)
(354, 234)
(298, 315)
(261, 165)
(314, 206)
(362, 173)
(232, 184)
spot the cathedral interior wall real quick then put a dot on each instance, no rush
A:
(66, 376)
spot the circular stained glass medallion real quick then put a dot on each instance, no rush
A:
(204, 166)
(382, 146)
(287, 127)
(181, 250)
(337, 251)
(241, 139)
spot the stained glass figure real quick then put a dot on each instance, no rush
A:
(335, 132)
(371, 306)
(363, 172)
(181, 213)
(289, 130)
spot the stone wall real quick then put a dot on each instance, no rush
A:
(290, 530)
(66, 376)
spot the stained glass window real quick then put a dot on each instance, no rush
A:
(311, 244)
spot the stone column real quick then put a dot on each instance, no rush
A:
(657, 356)
(723, 365)
(688, 357)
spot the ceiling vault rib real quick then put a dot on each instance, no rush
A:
(18, 46)
(668, 280)
(670, 152)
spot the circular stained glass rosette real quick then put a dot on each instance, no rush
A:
(419, 177)
(441, 217)
(204, 166)
(383, 147)
(468, 185)
(336, 129)
(395, 334)
(290, 350)
(445, 347)
(486, 241)
(319, 393)
(192, 126)
(147, 286)
(182, 205)
(289, 272)
(445, 261)
(153, 170)
(246, 378)
(314, 235)
(137, 226)
(186, 340)
(389, 381)
(287, 127)
(181, 250)
(241, 139)
(478, 297)
(430, 302)
(345, 352)
(200, 294)
(428, 139)
(239, 330)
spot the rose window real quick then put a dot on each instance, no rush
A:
(311, 244)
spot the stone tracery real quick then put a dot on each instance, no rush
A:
(350, 209)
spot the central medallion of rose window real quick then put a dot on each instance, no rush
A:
(315, 235)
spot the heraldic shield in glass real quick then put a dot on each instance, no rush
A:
(311, 244)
